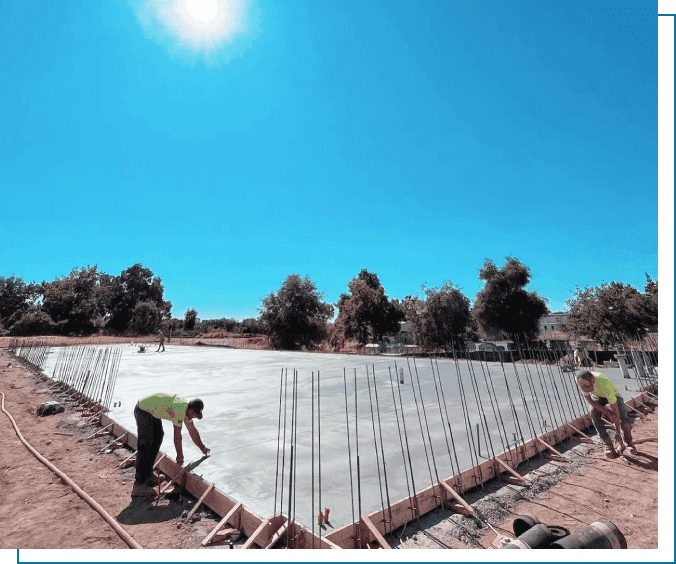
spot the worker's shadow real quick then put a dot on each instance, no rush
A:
(147, 510)
(643, 460)
(150, 510)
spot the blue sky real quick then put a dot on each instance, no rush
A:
(321, 138)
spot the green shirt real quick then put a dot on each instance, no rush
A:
(165, 406)
(604, 388)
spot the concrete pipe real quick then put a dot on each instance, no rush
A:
(600, 534)
(538, 536)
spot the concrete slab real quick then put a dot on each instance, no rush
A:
(242, 416)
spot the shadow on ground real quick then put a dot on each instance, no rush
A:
(145, 510)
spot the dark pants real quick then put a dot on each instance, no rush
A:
(624, 422)
(150, 435)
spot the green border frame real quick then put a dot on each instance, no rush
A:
(665, 552)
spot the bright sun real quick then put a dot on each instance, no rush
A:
(204, 11)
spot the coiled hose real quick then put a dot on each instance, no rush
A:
(124, 535)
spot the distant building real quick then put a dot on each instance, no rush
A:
(553, 321)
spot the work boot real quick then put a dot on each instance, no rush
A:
(155, 480)
(611, 452)
(142, 490)
(632, 450)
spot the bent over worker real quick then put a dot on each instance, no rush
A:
(606, 401)
(149, 413)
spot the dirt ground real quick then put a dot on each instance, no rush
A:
(39, 511)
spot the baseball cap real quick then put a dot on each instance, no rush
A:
(197, 405)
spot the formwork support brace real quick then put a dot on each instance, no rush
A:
(380, 539)
(553, 453)
(461, 506)
(199, 502)
(97, 433)
(583, 438)
(235, 511)
(277, 535)
(514, 477)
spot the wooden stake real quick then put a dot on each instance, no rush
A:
(514, 475)
(375, 532)
(553, 453)
(278, 534)
(96, 433)
(256, 534)
(465, 507)
(585, 438)
(199, 502)
(234, 511)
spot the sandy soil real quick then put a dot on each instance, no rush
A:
(38, 510)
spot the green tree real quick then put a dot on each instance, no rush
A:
(650, 293)
(146, 318)
(296, 315)
(190, 319)
(366, 310)
(608, 314)
(252, 325)
(442, 319)
(503, 305)
(72, 302)
(33, 322)
(135, 284)
(15, 297)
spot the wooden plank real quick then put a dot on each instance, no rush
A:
(514, 475)
(553, 453)
(116, 441)
(235, 510)
(96, 433)
(457, 497)
(158, 461)
(199, 502)
(639, 413)
(278, 534)
(132, 455)
(380, 539)
(252, 539)
(584, 436)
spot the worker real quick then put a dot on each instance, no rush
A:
(149, 413)
(160, 338)
(606, 401)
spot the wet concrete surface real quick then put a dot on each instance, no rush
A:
(248, 428)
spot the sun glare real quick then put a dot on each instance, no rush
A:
(213, 30)
(204, 11)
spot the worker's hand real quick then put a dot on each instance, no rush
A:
(206, 451)
(179, 459)
(610, 414)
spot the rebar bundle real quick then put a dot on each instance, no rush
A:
(30, 351)
(513, 407)
(86, 377)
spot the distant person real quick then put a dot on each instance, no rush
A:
(149, 413)
(605, 400)
(581, 357)
(160, 338)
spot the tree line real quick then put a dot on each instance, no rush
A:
(88, 301)
(297, 317)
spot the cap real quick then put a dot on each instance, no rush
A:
(197, 405)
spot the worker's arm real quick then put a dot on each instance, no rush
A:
(195, 436)
(178, 444)
(606, 410)
(617, 420)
